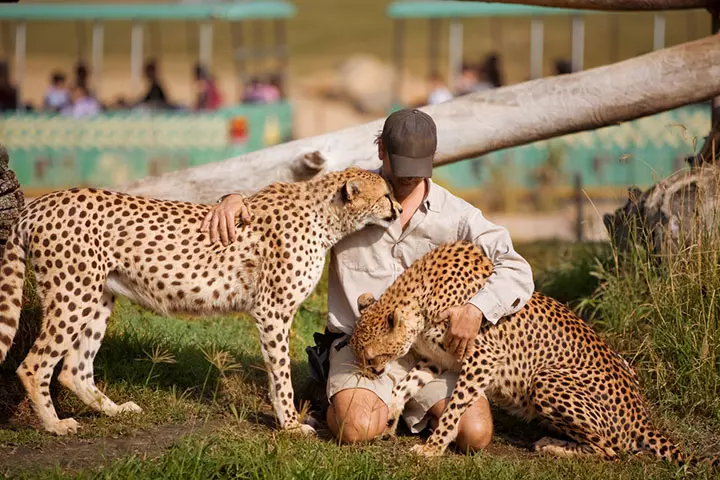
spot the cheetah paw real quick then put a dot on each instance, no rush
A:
(425, 450)
(390, 431)
(302, 429)
(129, 407)
(64, 427)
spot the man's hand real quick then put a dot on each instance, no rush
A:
(220, 220)
(464, 322)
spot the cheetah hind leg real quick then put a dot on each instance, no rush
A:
(564, 448)
(77, 373)
(563, 400)
(36, 369)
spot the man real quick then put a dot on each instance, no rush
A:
(57, 95)
(370, 260)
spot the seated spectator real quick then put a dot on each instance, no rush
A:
(492, 70)
(439, 92)
(276, 82)
(208, 95)
(563, 67)
(269, 92)
(57, 96)
(81, 75)
(253, 91)
(155, 96)
(82, 104)
(470, 80)
(8, 93)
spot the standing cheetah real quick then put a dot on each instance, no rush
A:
(86, 246)
(541, 361)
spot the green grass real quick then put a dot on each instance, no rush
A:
(222, 426)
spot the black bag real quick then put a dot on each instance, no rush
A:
(319, 355)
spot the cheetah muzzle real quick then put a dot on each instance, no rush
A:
(86, 246)
(542, 361)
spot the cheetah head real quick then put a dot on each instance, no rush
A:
(366, 198)
(382, 334)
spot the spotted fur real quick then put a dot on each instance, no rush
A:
(86, 246)
(542, 361)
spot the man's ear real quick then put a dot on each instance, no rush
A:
(365, 300)
(350, 190)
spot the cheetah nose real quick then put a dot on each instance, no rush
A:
(376, 371)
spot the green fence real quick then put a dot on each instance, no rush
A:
(638, 152)
(53, 151)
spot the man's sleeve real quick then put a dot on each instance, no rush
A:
(511, 284)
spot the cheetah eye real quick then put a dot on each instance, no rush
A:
(391, 321)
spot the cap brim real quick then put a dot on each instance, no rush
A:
(411, 167)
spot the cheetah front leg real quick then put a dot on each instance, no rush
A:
(274, 333)
(471, 384)
(411, 384)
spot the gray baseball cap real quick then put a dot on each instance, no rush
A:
(410, 139)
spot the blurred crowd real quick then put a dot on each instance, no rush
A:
(475, 77)
(77, 99)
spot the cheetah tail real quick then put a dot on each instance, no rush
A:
(12, 276)
(657, 445)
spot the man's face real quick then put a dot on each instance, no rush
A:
(402, 186)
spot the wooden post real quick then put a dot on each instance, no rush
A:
(240, 55)
(205, 47)
(658, 31)
(455, 50)
(578, 43)
(136, 57)
(399, 32)
(536, 48)
(433, 45)
(98, 36)
(281, 52)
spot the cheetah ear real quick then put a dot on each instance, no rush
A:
(365, 300)
(398, 319)
(350, 190)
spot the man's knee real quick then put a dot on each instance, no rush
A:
(357, 415)
(476, 426)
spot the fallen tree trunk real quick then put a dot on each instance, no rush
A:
(617, 5)
(474, 124)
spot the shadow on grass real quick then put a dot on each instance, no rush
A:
(214, 364)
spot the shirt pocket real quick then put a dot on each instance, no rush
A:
(437, 232)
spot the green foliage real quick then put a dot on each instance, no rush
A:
(664, 313)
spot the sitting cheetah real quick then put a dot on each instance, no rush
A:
(541, 361)
(87, 246)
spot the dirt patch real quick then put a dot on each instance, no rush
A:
(73, 453)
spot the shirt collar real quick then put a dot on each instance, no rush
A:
(432, 200)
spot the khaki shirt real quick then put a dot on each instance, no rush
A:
(372, 259)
